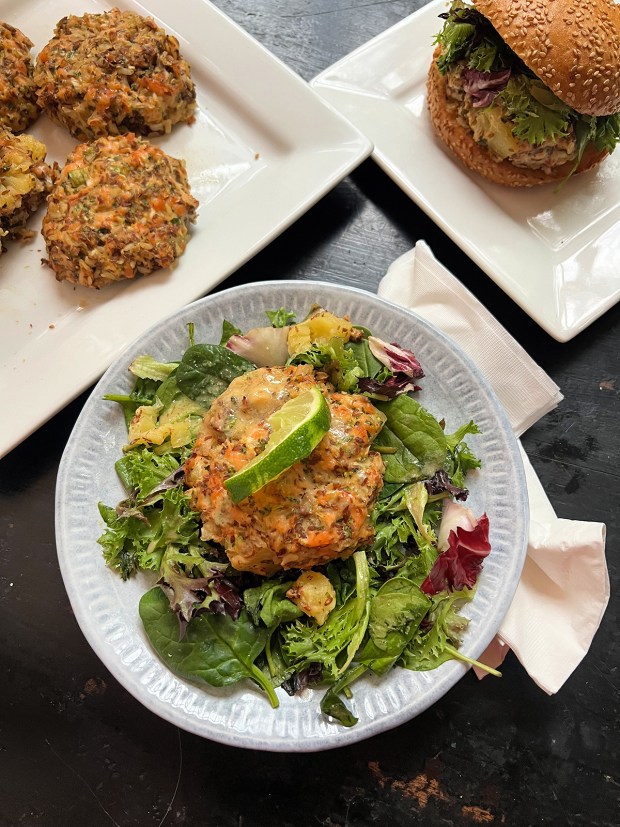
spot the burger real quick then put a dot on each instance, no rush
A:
(527, 92)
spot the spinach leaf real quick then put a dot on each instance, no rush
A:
(396, 612)
(417, 437)
(216, 649)
(333, 705)
(268, 603)
(207, 370)
(396, 607)
(143, 393)
(365, 360)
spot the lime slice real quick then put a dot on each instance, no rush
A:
(296, 429)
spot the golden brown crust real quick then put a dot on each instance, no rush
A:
(114, 73)
(18, 105)
(572, 45)
(460, 140)
(121, 208)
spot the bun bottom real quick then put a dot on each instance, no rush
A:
(444, 117)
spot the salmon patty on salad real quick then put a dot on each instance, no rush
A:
(111, 73)
(18, 104)
(120, 208)
(316, 511)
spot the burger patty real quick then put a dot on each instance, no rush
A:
(18, 105)
(553, 152)
(317, 510)
(121, 207)
(112, 73)
(25, 180)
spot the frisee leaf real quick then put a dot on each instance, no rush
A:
(454, 39)
(607, 132)
(535, 113)
(335, 643)
(280, 318)
(483, 57)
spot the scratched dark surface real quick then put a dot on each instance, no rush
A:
(77, 750)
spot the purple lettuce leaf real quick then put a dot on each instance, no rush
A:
(396, 358)
(389, 389)
(440, 482)
(484, 86)
(189, 596)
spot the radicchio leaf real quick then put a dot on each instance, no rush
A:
(264, 346)
(300, 680)
(392, 387)
(459, 565)
(190, 595)
(396, 358)
(440, 482)
(484, 86)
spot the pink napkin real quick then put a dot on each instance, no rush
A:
(564, 587)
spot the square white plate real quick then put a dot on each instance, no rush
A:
(556, 253)
(264, 148)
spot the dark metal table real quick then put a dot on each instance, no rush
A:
(76, 749)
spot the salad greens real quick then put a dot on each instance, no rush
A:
(396, 601)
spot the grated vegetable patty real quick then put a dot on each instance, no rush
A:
(121, 208)
(18, 104)
(112, 73)
(25, 180)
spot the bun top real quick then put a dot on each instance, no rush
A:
(573, 46)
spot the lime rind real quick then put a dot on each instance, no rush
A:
(297, 428)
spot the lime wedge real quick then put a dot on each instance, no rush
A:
(296, 429)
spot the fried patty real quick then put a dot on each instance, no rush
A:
(112, 73)
(317, 510)
(121, 208)
(18, 104)
(25, 180)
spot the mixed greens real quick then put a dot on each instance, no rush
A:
(396, 602)
(497, 78)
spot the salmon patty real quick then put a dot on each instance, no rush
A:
(111, 73)
(120, 208)
(317, 510)
(18, 103)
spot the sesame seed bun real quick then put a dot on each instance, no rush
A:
(444, 117)
(573, 46)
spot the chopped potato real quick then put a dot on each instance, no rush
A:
(319, 328)
(314, 595)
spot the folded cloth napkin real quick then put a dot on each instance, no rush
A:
(564, 587)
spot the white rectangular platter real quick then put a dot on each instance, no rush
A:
(556, 252)
(263, 149)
